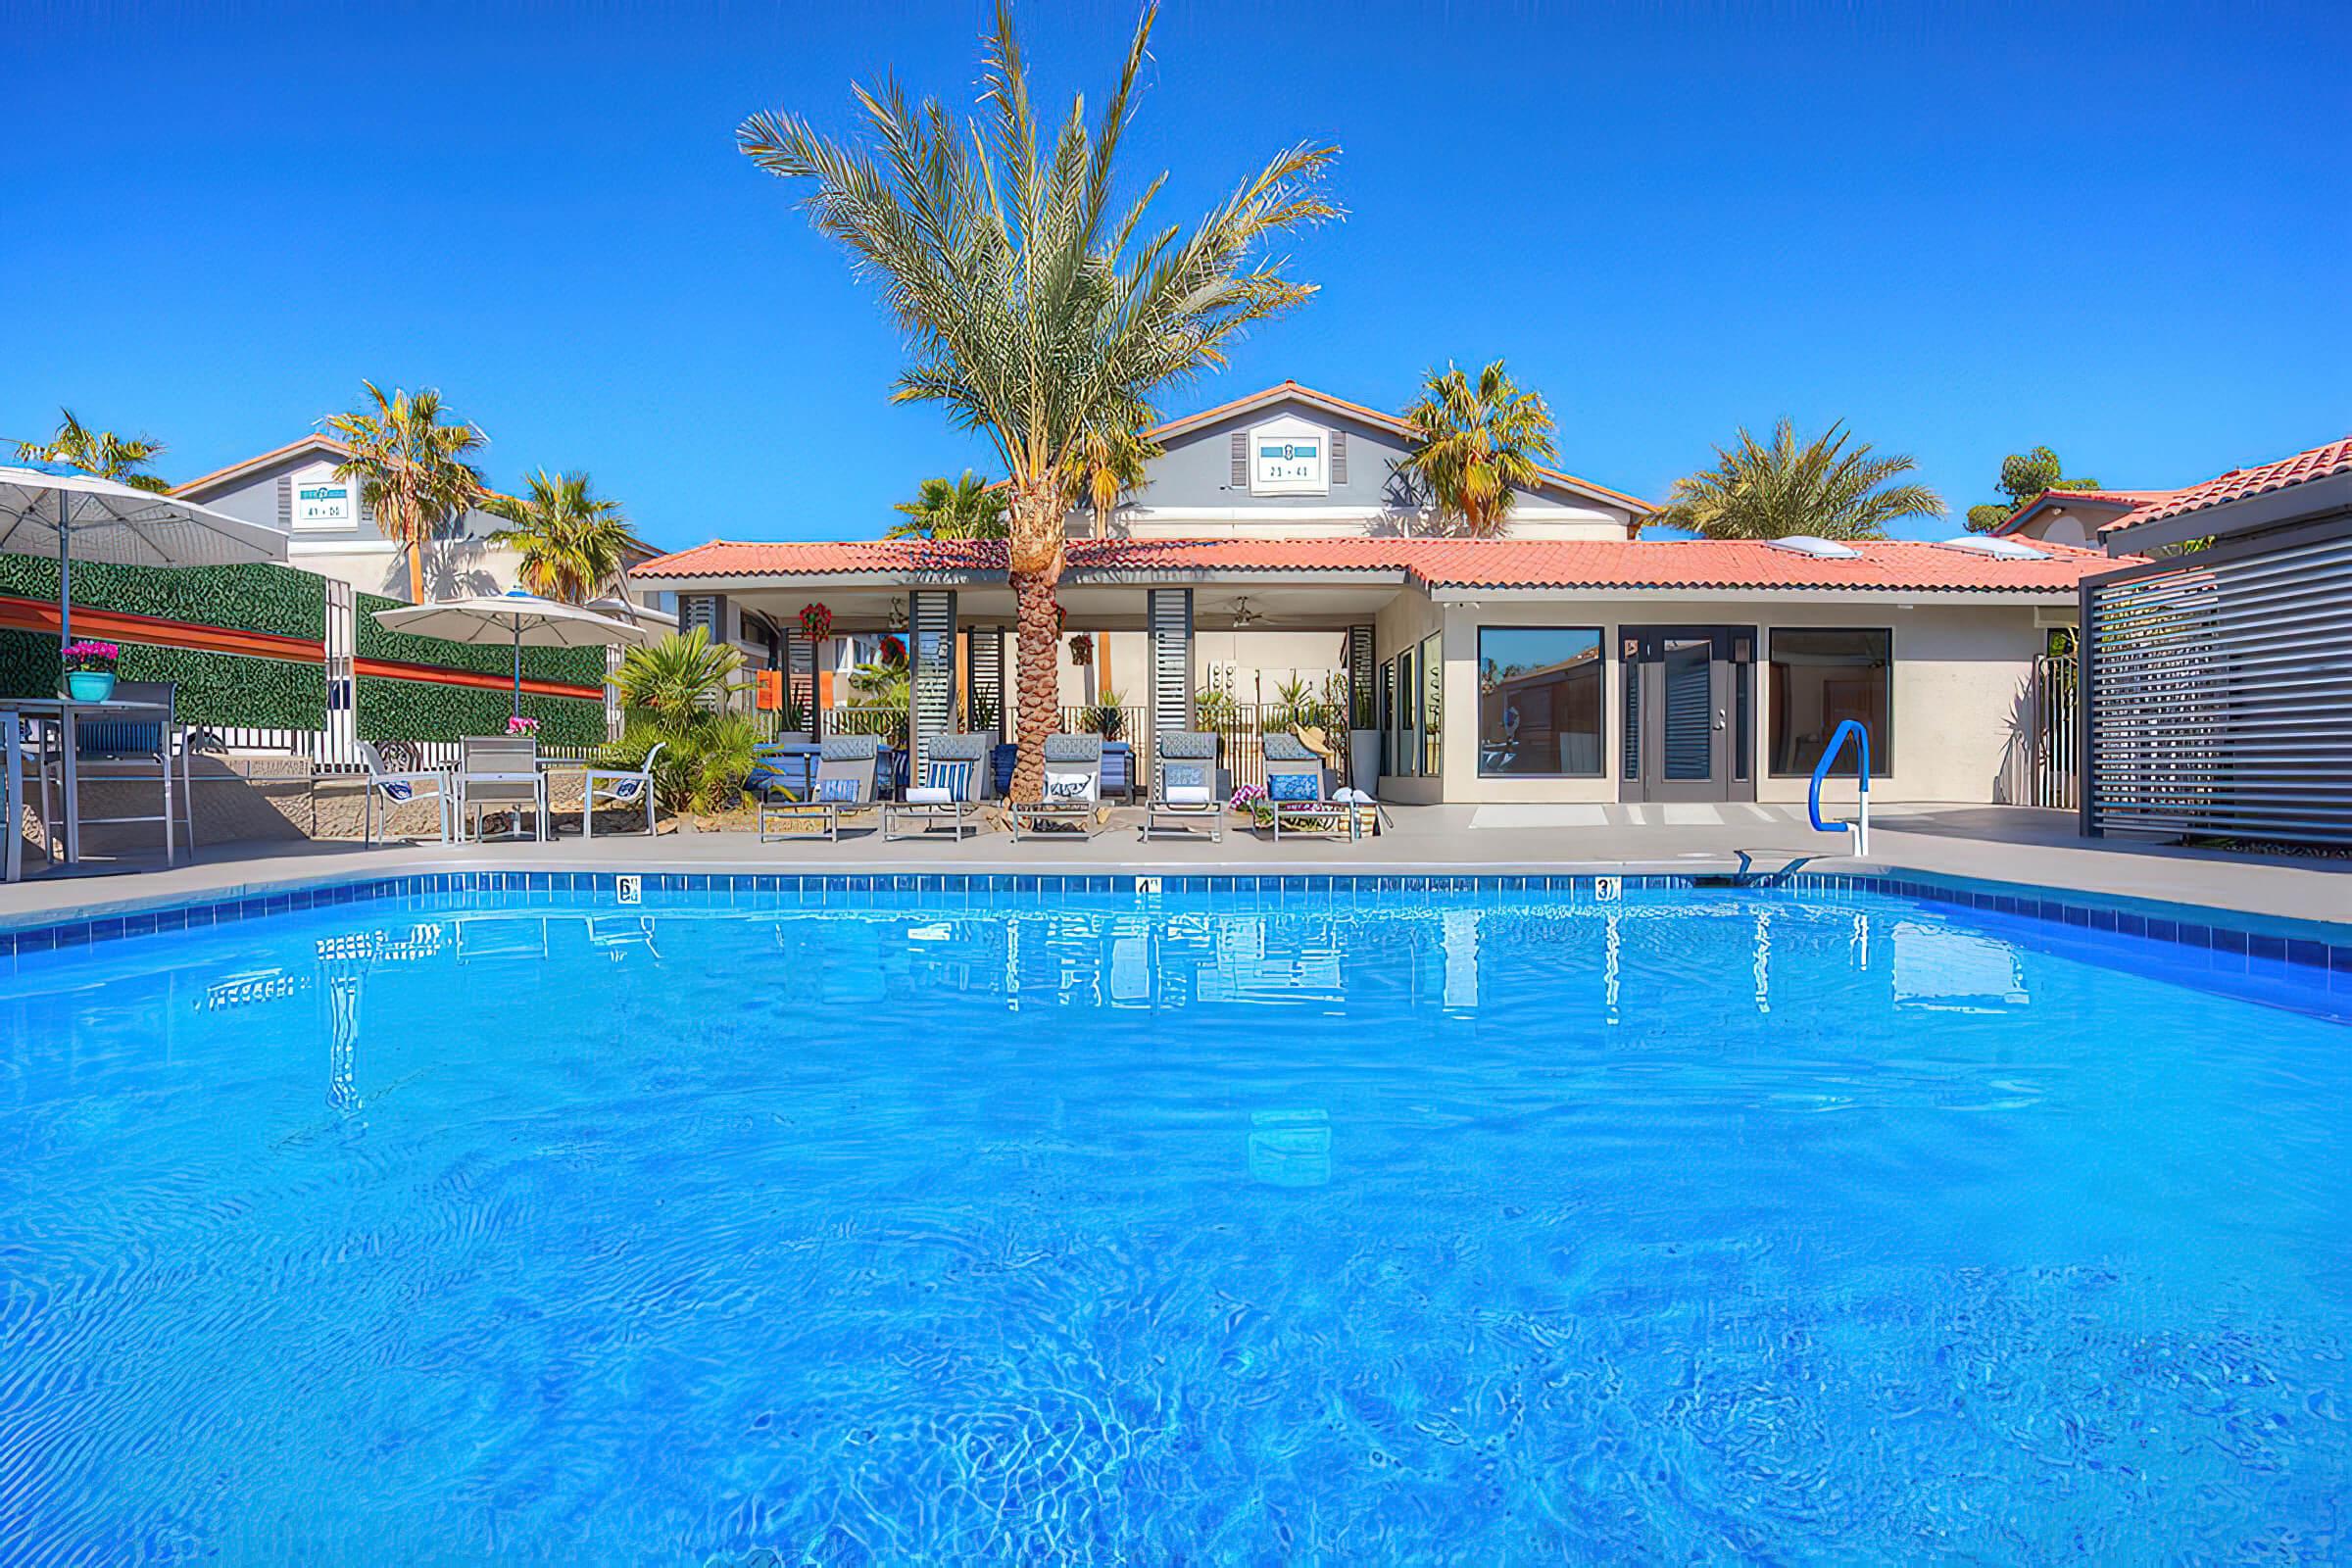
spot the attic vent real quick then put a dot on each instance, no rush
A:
(1815, 547)
(2004, 546)
(1339, 457)
(1241, 460)
(285, 502)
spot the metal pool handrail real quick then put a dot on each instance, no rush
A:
(1821, 771)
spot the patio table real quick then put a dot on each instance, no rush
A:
(535, 779)
(61, 716)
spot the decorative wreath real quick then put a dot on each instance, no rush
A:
(817, 622)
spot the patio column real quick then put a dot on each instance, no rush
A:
(930, 671)
(799, 672)
(1169, 617)
(987, 665)
(1360, 675)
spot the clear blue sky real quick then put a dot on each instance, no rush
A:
(2126, 232)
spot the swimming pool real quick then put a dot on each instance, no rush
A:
(1352, 1224)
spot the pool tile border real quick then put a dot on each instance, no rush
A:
(2223, 935)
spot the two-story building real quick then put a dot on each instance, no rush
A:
(1572, 662)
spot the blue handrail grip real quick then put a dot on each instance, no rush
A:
(1829, 759)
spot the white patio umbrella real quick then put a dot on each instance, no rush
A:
(523, 618)
(48, 509)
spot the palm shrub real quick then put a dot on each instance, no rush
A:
(675, 694)
(1037, 301)
(1760, 491)
(969, 508)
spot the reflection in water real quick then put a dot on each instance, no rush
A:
(1290, 1147)
(1951, 971)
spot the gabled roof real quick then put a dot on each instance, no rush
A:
(2118, 503)
(2317, 462)
(1293, 392)
(313, 444)
(1467, 563)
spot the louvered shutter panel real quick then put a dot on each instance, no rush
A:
(1169, 615)
(1339, 457)
(285, 502)
(1241, 460)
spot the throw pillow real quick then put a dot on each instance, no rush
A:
(837, 791)
(1069, 788)
(1293, 787)
(1185, 775)
(953, 777)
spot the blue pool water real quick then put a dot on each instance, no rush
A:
(1471, 1228)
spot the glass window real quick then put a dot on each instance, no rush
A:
(1386, 720)
(1822, 678)
(1404, 749)
(1539, 702)
(1432, 703)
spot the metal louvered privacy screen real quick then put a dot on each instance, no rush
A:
(2219, 693)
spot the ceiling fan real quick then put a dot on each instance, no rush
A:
(1243, 615)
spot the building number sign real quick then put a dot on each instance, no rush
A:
(1287, 463)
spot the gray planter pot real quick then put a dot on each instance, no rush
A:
(1363, 760)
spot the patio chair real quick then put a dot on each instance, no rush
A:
(500, 773)
(845, 769)
(1073, 791)
(396, 789)
(954, 782)
(1184, 787)
(116, 750)
(1298, 788)
(619, 788)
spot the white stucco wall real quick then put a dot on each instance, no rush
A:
(1959, 671)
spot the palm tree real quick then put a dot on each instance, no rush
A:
(411, 466)
(1479, 445)
(575, 544)
(98, 452)
(1770, 492)
(1107, 466)
(968, 507)
(1035, 303)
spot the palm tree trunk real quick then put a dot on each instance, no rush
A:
(1036, 563)
(1038, 675)
(415, 569)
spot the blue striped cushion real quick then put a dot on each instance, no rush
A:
(838, 791)
(953, 777)
(1293, 787)
(398, 789)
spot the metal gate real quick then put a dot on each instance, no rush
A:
(2049, 735)
(2218, 691)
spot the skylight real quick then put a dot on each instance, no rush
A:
(1813, 544)
(2001, 546)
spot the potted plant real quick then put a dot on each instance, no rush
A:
(792, 718)
(90, 670)
(1363, 739)
(980, 713)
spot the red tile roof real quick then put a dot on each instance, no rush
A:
(2238, 483)
(2124, 502)
(1661, 563)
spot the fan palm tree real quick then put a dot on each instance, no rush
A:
(412, 469)
(1036, 303)
(680, 677)
(575, 544)
(1479, 446)
(968, 507)
(123, 458)
(1756, 491)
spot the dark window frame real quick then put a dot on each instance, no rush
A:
(1600, 716)
(1881, 737)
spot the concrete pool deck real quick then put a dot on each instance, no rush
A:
(1997, 844)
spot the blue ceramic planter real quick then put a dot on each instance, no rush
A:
(90, 685)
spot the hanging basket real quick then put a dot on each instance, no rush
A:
(1082, 650)
(817, 622)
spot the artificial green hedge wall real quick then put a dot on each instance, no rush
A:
(425, 710)
(568, 666)
(214, 688)
(258, 597)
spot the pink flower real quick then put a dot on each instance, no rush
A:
(523, 726)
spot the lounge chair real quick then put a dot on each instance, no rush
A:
(398, 789)
(1299, 788)
(501, 773)
(954, 782)
(618, 787)
(1184, 787)
(1073, 791)
(846, 768)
